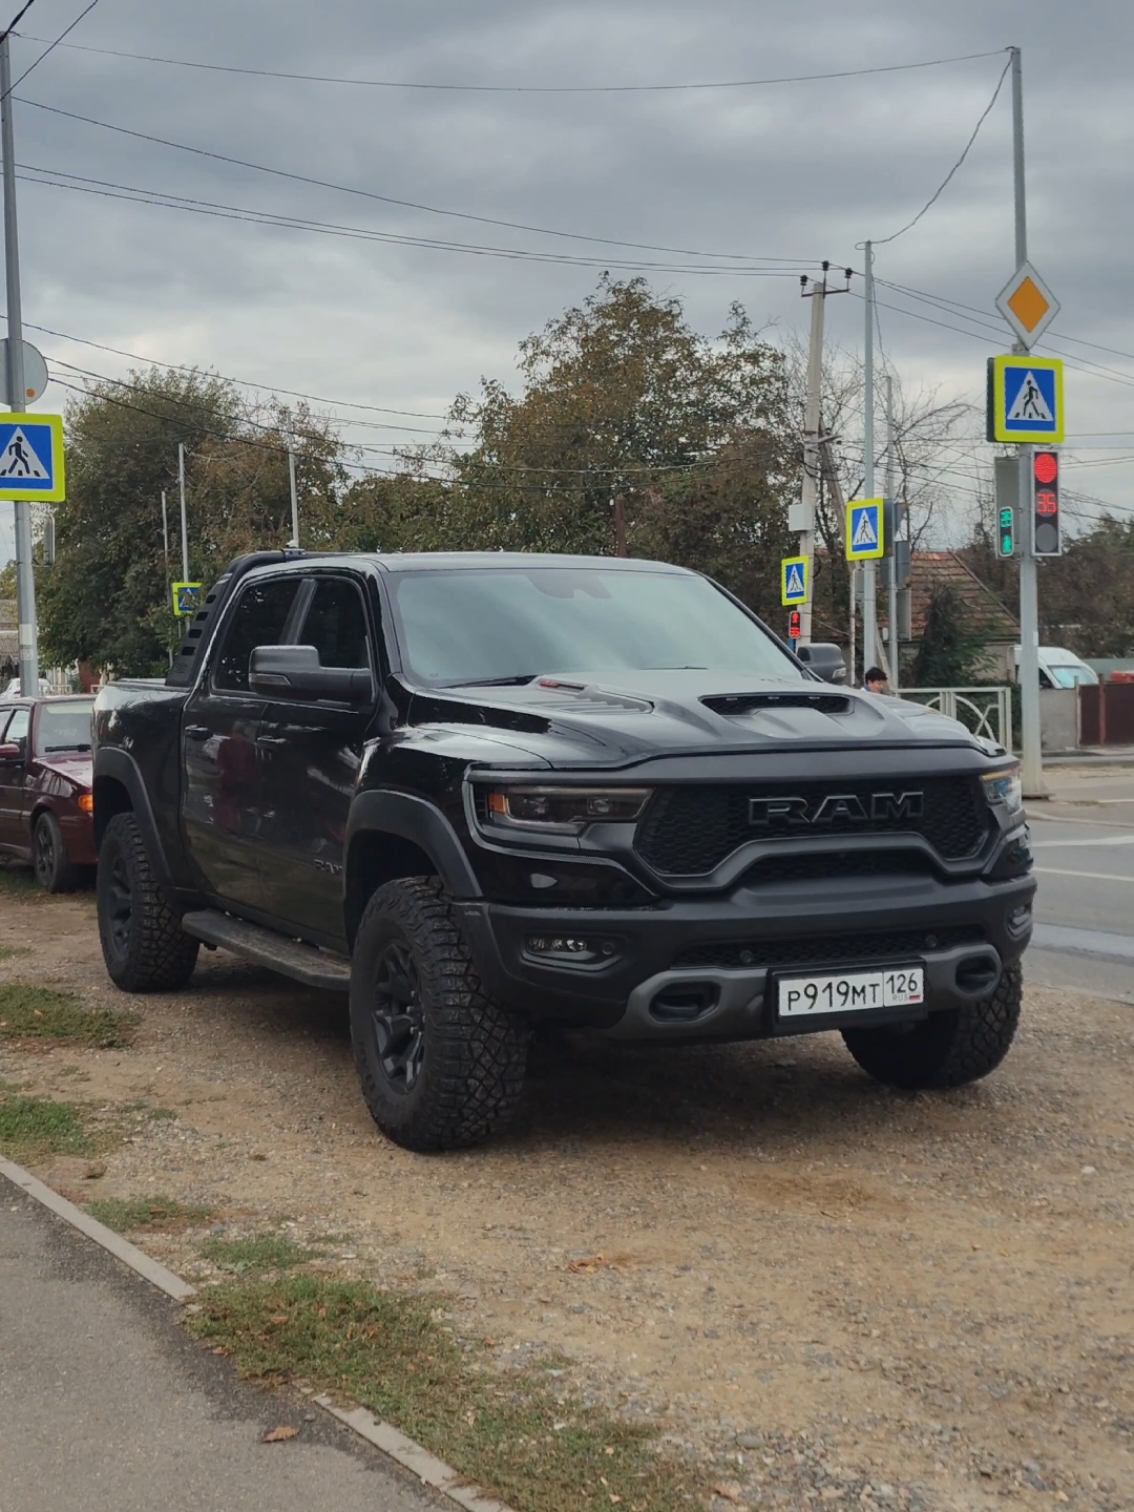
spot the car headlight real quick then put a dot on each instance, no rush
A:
(565, 811)
(1004, 789)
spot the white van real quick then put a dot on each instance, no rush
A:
(1060, 668)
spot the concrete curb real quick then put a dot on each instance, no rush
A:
(384, 1436)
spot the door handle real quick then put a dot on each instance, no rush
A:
(271, 740)
(197, 732)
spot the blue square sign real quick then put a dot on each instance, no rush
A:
(1026, 399)
(31, 457)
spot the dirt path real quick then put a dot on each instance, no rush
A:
(836, 1294)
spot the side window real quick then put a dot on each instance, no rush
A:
(18, 727)
(336, 625)
(259, 620)
(4, 716)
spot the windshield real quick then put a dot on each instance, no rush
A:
(64, 727)
(1071, 676)
(472, 626)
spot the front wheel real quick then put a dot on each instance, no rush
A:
(53, 870)
(947, 1049)
(143, 944)
(441, 1064)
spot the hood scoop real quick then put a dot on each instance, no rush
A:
(586, 698)
(736, 705)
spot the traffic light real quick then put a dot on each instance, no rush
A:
(1048, 537)
(794, 625)
(1007, 472)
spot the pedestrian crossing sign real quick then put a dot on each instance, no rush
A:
(186, 599)
(795, 580)
(866, 530)
(1025, 399)
(31, 457)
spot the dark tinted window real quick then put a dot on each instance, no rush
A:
(336, 625)
(259, 620)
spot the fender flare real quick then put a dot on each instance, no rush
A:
(117, 765)
(416, 820)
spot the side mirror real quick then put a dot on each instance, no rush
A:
(11, 752)
(295, 672)
(825, 659)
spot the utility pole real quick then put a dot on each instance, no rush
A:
(891, 484)
(184, 518)
(869, 576)
(1029, 596)
(620, 526)
(25, 573)
(809, 499)
(165, 532)
(294, 499)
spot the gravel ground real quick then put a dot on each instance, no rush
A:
(829, 1293)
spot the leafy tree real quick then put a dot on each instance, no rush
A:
(107, 600)
(951, 652)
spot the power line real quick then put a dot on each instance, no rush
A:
(386, 199)
(169, 201)
(268, 73)
(51, 47)
(16, 19)
(985, 113)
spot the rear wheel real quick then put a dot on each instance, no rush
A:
(441, 1064)
(143, 944)
(947, 1049)
(53, 871)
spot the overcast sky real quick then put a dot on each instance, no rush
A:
(791, 173)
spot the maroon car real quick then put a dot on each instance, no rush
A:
(45, 787)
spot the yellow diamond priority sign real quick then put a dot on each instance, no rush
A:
(1027, 304)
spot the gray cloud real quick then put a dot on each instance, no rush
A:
(800, 171)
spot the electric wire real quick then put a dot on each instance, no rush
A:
(268, 73)
(50, 48)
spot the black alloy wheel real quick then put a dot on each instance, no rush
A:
(398, 1020)
(53, 870)
(143, 944)
(118, 909)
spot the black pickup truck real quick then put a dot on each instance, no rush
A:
(481, 791)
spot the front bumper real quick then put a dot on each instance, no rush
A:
(965, 933)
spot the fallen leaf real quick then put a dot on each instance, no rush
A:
(728, 1489)
(220, 1349)
(586, 1265)
(95, 1172)
(280, 1318)
(281, 1434)
(37, 1012)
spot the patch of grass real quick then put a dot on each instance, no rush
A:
(38, 1013)
(128, 1214)
(37, 1126)
(513, 1432)
(260, 1253)
(18, 882)
(10, 952)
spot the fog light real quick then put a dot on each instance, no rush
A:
(573, 948)
(1019, 919)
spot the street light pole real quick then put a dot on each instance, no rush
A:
(869, 576)
(184, 521)
(1029, 593)
(25, 575)
(294, 498)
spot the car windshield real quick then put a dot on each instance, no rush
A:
(511, 624)
(64, 727)
(1072, 676)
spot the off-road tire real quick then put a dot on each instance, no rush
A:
(469, 1052)
(143, 944)
(53, 870)
(947, 1049)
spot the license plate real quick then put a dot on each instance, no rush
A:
(850, 992)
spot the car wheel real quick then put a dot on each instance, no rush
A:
(53, 871)
(143, 944)
(441, 1064)
(947, 1049)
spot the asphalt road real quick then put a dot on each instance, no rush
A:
(1083, 839)
(106, 1405)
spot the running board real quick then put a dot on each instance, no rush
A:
(291, 958)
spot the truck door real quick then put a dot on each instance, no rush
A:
(312, 752)
(222, 777)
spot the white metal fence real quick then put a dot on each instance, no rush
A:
(984, 711)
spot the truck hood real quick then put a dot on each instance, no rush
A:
(586, 720)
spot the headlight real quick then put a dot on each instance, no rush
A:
(564, 811)
(1005, 789)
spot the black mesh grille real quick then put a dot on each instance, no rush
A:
(688, 831)
(831, 950)
(817, 866)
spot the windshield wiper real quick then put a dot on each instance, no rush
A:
(496, 682)
(54, 750)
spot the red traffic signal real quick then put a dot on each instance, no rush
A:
(794, 625)
(1047, 534)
